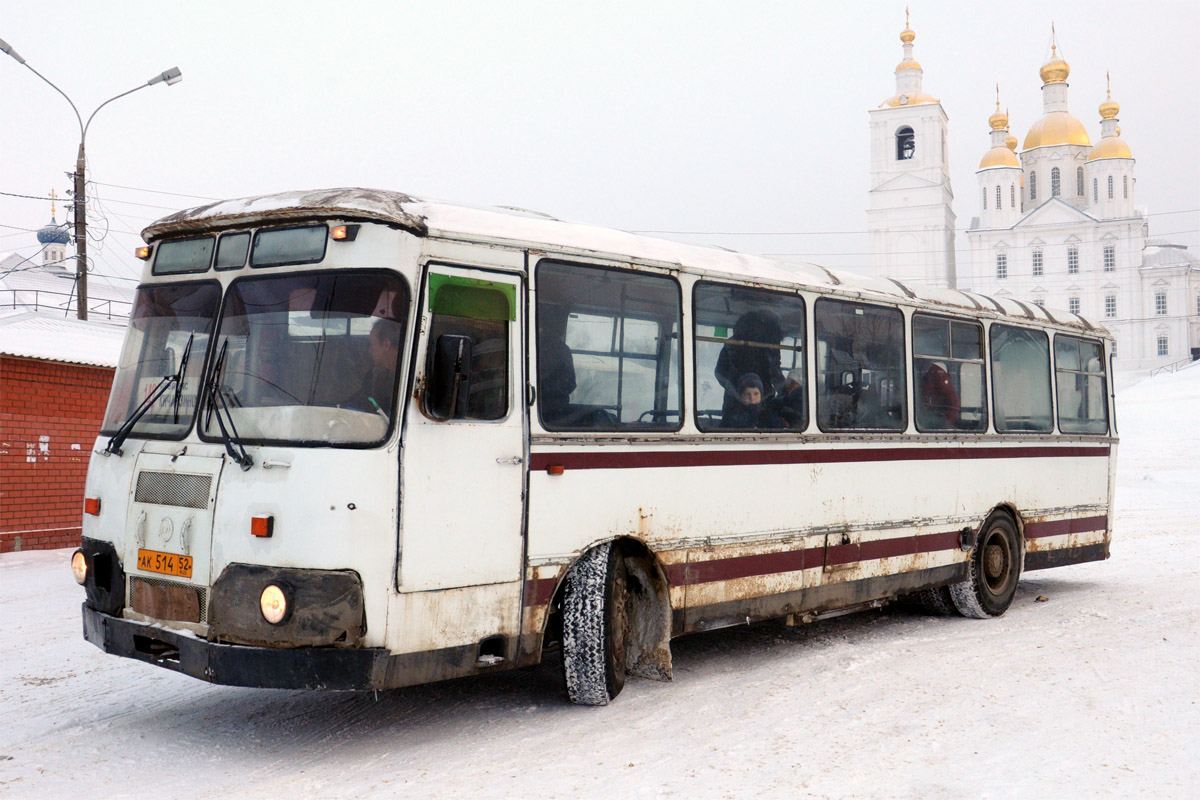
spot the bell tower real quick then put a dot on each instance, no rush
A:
(910, 214)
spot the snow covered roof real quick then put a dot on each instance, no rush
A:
(1159, 253)
(40, 286)
(33, 334)
(524, 228)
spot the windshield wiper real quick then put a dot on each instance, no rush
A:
(114, 444)
(187, 352)
(218, 404)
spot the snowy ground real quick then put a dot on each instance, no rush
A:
(1090, 694)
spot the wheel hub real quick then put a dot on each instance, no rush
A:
(995, 562)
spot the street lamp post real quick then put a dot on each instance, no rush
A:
(170, 78)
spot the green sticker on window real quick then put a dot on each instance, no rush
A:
(471, 297)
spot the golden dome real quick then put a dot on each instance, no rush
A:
(907, 35)
(909, 100)
(1110, 147)
(999, 157)
(999, 120)
(1109, 108)
(1055, 70)
(1057, 127)
(908, 63)
(1011, 142)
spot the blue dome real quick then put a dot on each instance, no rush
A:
(53, 233)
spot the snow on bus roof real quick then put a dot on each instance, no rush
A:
(532, 229)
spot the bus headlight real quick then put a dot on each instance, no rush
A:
(273, 603)
(79, 567)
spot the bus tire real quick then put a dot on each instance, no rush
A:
(936, 601)
(994, 569)
(596, 626)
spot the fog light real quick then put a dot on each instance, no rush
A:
(79, 567)
(273, 603)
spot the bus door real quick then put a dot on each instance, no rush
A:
(463, 476)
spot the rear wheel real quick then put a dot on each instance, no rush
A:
(995, 567)
(596, 626)
(936, 601)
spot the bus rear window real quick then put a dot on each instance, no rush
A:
(184, 255)
(273, 248)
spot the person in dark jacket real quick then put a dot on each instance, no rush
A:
(743, 355)
(750, 411)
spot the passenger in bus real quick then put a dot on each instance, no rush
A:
(749, 410)
(556, 364)
(745, 355)
(938, 407)
(379, 383)
(792, 400)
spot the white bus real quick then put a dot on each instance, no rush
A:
(359, 440)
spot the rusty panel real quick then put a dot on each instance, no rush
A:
(165, 601)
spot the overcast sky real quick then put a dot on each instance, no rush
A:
(715, 118)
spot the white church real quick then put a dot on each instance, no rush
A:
(1056, 223)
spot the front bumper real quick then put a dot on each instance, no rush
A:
(235, 664)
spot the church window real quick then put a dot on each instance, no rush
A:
(1033, 186)
(1079, 181)
(1198, 304)
(1110, 187)
(1110, 306)
(999, 203)
(1162, 344)
(1001, 266)
(985, 198)
(1037, 263)
(1039, 301)
(1055, 182)
(1012, 195)
(1072, 260)
(1125, 183)
(1110, 258)
(1073, 305)
(906, 144)
(1095, 190)
(1160, 305)
(1113, 348)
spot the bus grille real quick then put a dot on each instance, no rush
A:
(200, 591)
(173, 489)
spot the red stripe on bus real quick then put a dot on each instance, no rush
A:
(1058, 527)
(539, 592)
(727, 569)
(729, 458)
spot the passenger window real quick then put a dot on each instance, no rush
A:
(480, 311)
(750, 371)
(948, 374)
(608, 349)
(860, 367)
(1021, 380)
(1082, 389)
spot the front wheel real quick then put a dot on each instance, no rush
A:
(995, 567)
(596, 626)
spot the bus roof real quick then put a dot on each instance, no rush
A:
(537, 231)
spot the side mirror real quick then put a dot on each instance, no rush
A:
(449, 377)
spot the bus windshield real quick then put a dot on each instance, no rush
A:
(309, 358)
(164, 320)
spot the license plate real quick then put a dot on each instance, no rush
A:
(165, 563)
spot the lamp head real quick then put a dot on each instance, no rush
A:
(6, 48)
(170, 77)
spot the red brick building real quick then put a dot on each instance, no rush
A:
(55, 375)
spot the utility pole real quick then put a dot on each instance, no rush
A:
(81, 269)
(170, 78)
